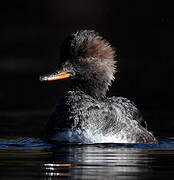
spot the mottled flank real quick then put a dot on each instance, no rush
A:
(80, 118)
(85, 114)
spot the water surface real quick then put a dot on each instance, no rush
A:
(29, 158)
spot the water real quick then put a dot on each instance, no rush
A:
(29, 158)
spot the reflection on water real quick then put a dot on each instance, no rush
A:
(28, 158)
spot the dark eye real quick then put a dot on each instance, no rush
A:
(78, 61)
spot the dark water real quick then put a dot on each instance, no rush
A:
(29, 158)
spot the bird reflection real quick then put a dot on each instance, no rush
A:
(97, 162)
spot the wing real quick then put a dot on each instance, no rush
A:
(128, 109)
(130, 121)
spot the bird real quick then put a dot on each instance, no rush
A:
(85, 114)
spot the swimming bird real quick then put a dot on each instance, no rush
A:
(85, 114)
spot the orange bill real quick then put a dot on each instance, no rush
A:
(55, 76)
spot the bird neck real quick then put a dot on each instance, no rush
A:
(95, 89)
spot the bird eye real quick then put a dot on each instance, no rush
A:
(77, 61)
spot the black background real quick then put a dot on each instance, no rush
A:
(30, 36)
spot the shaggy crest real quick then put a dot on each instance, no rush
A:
(85, 45)
(88, 47)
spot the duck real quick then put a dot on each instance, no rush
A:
(85, 114)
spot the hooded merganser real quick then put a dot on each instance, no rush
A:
(85, 114)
